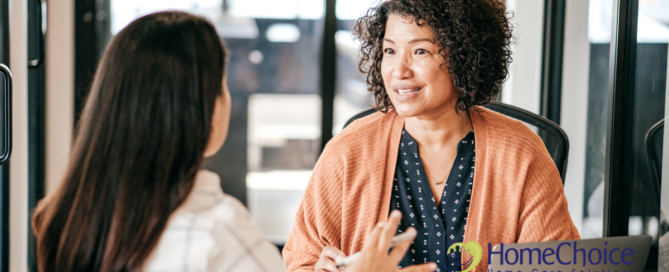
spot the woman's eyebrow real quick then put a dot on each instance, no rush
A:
(421, 40)
(411, 41)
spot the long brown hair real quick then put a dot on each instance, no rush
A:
(139, 143)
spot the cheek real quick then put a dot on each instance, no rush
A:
(439, 79)
(432, 73)
(385, 72)
(386, 76)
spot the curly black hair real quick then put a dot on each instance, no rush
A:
(474, 38)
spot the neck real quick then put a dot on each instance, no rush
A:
(439, 131)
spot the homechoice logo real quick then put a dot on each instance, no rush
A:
(472, 248)
(550, 256)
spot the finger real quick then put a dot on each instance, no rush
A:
(390, 229)
(339, 252)
(329, 267)
(401, 248)
(330, 253)
(373, 239)
(428, 267)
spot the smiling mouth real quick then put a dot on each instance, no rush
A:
(406, 91)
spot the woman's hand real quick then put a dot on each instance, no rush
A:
(375, 256)
(326, 262)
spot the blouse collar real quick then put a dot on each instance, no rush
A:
(206, 180)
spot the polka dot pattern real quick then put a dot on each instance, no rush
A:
(440, 223)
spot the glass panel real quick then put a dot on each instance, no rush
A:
(351, 96)
(584, 85)
(274, 136)
(523, 87)
(649, 111)
(125, 11)
(4, 31)
(584, 109)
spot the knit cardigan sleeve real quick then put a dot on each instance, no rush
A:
(318, 218)
(544, 215)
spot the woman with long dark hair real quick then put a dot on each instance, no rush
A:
(134, 197)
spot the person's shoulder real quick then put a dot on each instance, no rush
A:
(211, 220)
(508, 133)
(230, 237)
(239, 242)
(363, 132)
(500, 123)
(228, 222)
(230, 211)
(208, 207)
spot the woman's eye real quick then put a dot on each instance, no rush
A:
(388, 51)
(421, 51)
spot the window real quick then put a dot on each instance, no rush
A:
(649, 200)
(351, 96)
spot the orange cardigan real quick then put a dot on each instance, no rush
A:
(517, 196)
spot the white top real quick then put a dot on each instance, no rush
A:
(212, 231)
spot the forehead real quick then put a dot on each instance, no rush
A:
(404, 28)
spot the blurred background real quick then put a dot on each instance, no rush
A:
(294, 82)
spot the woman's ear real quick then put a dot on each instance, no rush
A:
(220, 120)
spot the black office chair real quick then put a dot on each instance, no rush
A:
(654, 156)
(654, 145)
(554, 138)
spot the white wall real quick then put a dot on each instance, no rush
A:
(59, 89)
(59, 113)
(664, 194)
(574, 111)
(523, 89)
(18, 186)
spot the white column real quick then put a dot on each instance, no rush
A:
(664, 194)
(523, 89)
(18, 187)
(574, 111)
(59, 90)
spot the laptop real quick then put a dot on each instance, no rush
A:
(613, 254)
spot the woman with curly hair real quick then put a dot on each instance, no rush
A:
(458, 173)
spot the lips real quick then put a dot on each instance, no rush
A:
(406, 88)
(407, 91)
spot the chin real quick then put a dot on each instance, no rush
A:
(407, 111)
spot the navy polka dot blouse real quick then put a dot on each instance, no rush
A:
(439, 225)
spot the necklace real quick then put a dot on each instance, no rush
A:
(437, 182)
(442, 180)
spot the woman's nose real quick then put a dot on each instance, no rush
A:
(401, 69)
